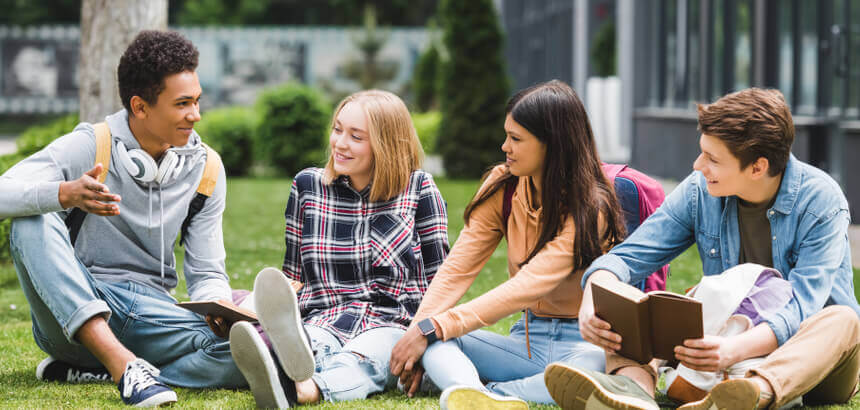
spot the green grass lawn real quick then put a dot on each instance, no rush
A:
(253, 235)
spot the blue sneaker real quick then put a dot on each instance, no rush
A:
(140, 388)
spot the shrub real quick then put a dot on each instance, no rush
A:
(37, 137)
(6, 162)
(293, 123)
(603, 50)
(427, 126)
(230, 131)
(425, 78)
(474, 88)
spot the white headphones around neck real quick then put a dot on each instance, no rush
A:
(143, 168)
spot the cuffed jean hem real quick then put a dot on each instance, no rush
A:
(83, 315)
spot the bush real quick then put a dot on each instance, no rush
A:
(603, 50)
(6, 162)
(292, 130)
(427, 126)
(474, 88)
(37, 137)
(425, 79)
(230, 131)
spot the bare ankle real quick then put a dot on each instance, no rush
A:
(307, 392)
(640, 376)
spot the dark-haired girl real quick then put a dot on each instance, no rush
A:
(562, 214)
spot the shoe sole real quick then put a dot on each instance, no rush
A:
(735, 394)
(278, 311)
(254, 361)
(574, 390)
(156, 400)
(462, 397)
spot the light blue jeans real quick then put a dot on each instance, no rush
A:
(63, 296)
(503, 361)
(356, 369)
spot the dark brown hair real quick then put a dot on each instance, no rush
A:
(573, 181)
(753, 123)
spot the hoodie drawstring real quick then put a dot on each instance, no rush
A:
(161, 229)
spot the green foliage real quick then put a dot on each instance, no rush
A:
(474, 88)
(292, 128)
(230, 132)
(218, 12)
(427, 126)
(6, 162)
(425, 79)
(37, 137)
(603, 50)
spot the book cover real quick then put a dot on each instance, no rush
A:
(651, 324)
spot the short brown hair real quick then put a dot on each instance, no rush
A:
(395, 145)
(753, 123)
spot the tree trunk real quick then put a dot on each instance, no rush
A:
(107, 28)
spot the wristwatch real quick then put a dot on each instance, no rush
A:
(428, 329)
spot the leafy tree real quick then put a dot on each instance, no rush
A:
(474, 88)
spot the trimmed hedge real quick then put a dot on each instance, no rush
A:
(294, 121)
(427, 126)
(230, 131)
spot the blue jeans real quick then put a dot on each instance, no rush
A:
(503, 362)
(356, 369)
(63, 296)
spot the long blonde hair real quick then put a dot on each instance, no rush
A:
(394, 142)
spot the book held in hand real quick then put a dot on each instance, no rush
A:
(650, 324)
(216, 308)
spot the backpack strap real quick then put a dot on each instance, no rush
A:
(510, 187)
(204, 189)
(76, 216)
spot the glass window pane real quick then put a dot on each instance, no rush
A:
(719, 49)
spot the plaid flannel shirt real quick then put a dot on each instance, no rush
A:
(363, 264)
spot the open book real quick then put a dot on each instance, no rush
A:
(228, 310)
(650, 324)
(216, 308)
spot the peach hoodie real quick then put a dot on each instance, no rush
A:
(546, 285)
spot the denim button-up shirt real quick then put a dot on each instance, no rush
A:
(809, 231)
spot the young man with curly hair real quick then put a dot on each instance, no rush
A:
(100, 294)
(749, 200)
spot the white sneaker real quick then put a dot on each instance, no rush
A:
(467, 397)
(278, 311)
(253, 359)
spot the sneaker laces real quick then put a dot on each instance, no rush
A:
(139, 375)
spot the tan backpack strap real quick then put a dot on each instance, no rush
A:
(103, 147)
(210, 172)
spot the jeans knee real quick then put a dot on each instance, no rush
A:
(844, 318)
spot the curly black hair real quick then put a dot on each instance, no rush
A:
(152, 56)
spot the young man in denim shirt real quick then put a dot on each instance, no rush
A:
(748, 200)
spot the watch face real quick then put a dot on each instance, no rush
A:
(426, 326)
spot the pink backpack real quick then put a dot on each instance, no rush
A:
(639, 196)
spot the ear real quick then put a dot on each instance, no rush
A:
(760, 167)
(139, 107)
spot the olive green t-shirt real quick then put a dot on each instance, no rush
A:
(754, 227)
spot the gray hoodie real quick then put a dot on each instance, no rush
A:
(137, 244)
